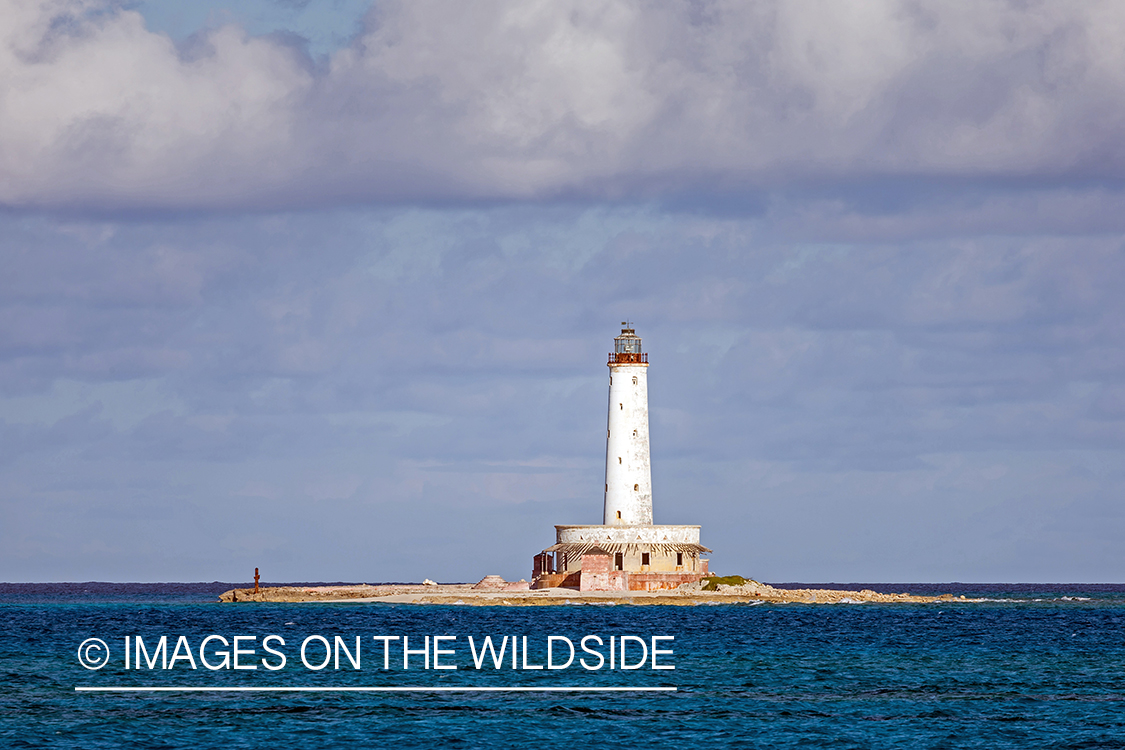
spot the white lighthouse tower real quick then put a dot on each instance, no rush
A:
(626, 552)
(628, 474)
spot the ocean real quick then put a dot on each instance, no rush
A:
(1036, 666)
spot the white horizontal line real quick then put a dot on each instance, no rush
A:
(161, 689)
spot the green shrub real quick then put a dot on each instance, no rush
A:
(711, 583)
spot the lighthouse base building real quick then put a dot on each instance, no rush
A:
(621, 558)
(627, 552)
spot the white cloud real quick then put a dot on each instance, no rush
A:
(98, 110)
(537, 99)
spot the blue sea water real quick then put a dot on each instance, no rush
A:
(1038, 666)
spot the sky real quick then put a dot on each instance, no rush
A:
(327, 287)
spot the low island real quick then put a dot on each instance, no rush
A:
(494, 591)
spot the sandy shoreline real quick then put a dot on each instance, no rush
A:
(467, 594)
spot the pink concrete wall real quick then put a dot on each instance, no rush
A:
(659, 581)
(595, 573)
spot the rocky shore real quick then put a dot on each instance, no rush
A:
(492, 590)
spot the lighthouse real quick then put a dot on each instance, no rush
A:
(627, 551)
(628, 472)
